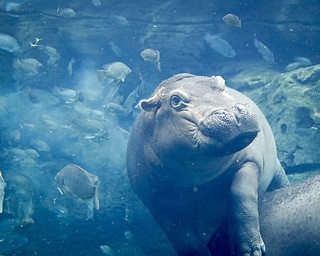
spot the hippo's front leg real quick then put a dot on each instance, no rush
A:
(243, 215)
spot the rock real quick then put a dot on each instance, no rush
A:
(290, 102)
(307, 75)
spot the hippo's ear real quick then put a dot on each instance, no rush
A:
(149, 104)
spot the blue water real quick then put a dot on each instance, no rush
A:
(55, 111)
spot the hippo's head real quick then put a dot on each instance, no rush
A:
(196, 115)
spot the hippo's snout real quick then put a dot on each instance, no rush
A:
(231, 120)
(236, 124)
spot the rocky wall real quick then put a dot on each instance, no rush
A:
(290, 102)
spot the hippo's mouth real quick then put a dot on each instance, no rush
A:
(237, 143)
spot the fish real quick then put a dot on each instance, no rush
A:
(132, 99)
(31, 153)
(107, 250)
(96, 3)
(66, 12)
(88, 125)
(80, 184)
(117, 109)
(127, 107)
(152, 56)
(117, 71)
(118, 19)
(19, 199)
(40, 145)
(89, 112)
(9, 43)
(232, 20)
(44, 96)
(292, 66)
(70, 66)
(298, 63)
(29, 66)
(49, 122)
(220, 45)
(128, 235)
(52, 53)
(116, 49)
(12, 6)
(2, 187)
(266, 53)
(98, 136)
(68, 96)
(303, 61)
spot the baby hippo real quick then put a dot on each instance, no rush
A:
(200, 152)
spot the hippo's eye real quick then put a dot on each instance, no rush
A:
(176, 102)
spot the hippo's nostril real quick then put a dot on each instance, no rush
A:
(222, 115)
(242, 109)
(221, 111)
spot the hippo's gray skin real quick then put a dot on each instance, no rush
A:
(289, 221)
(197, 153)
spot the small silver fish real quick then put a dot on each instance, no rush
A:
(80, 184)
(120, 20)
(70, 66)
(292, 66)
(19, 199)
(28, 67)
(152, 56)
(128, 235)
(303, 61)
(128, 106)
(2, 187)
(117, 109)
(220, 45)
(116, 71)
(116, 49)
(232, 20)
(12, 6)
(49, 122)
(68, 96)
(264, 51)
(88, 125)
(96, 3)
(107, 250)
(8, 43)
(66, 12)
(40, 145)
(298, 63)
(52, 53)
